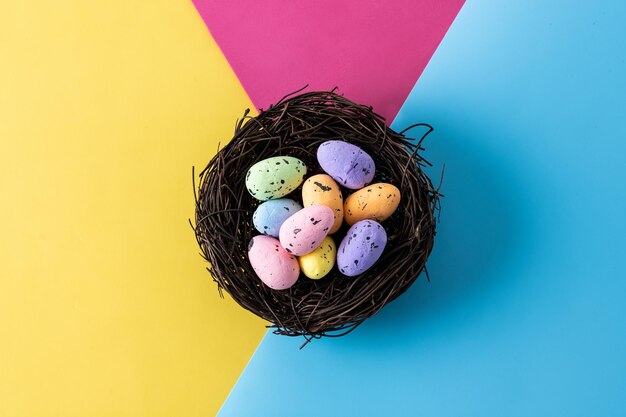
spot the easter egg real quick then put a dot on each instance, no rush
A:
(275, 177)
(375, 202)
(270, 214)
(348, 164)
(319, 263)
(361, 247)
(276, 268)
(322, 190)
(304, 231)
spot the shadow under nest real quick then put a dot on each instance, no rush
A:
(296, 126)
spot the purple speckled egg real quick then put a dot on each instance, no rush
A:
(348, 164)
(361, 247)
(304, 231)
(276, 268)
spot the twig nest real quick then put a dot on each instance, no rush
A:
(323, 275)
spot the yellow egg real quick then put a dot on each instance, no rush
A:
(374, 202)
(322, 190)
(318, 263)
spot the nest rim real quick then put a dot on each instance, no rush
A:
(295, 126)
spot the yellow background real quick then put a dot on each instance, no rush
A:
(105, 306)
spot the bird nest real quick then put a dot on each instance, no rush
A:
(296, 126)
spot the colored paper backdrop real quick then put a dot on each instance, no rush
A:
(525, 313)
(374, 51)
(105, 306)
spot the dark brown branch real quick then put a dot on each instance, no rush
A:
(296, 126)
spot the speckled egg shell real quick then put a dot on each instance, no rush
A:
(303, 232)
(275, 177)
(361, 247)
(322, 190)
(271, 214)
(348, 164)
(320, 262)
(276, 268)
(375, 202)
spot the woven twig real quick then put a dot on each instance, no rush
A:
(296, 126)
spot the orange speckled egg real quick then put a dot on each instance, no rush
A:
(322, 190)
(374, 202)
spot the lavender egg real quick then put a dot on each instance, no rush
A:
(270, 215)
(348, 164)
(361, 247)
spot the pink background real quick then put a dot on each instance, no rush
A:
(372, 52)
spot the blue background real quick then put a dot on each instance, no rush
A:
(525, 313)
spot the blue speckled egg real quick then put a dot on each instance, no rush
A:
(270, 215)
(361, 247)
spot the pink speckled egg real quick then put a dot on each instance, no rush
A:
(277, 269)
(304, 231)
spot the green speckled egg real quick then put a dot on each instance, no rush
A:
(275, 177)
